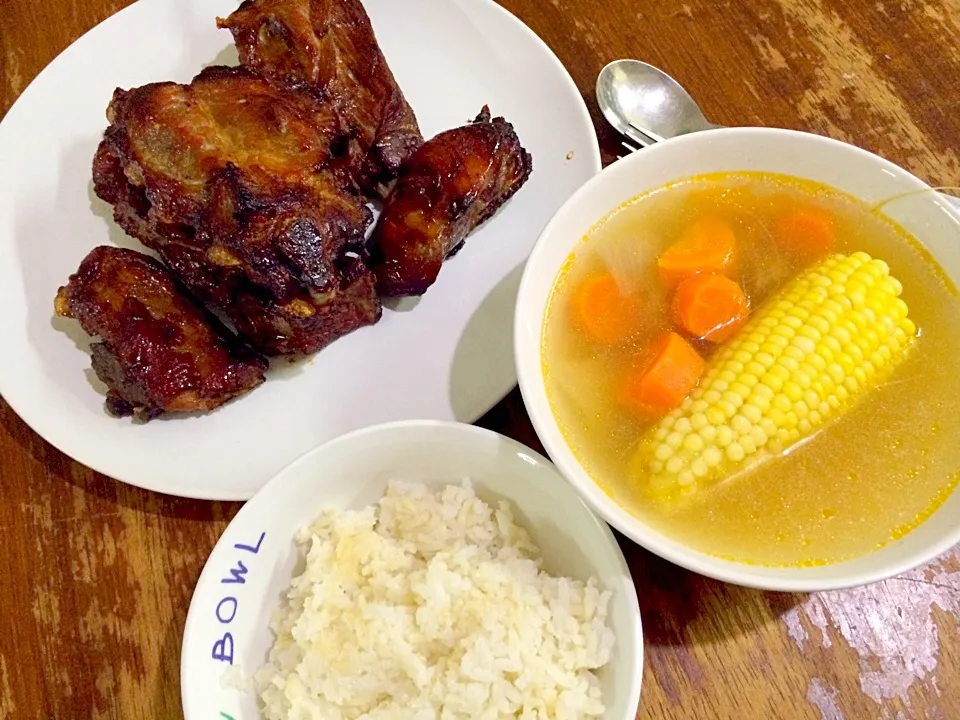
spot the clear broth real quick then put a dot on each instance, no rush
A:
(863, 480)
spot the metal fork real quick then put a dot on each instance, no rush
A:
(639, 138)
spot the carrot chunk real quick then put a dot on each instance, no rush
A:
(708, 246)
(604, 311)
(809, 232)
(710, 307)
(661, 384)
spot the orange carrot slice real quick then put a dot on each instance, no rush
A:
(809, 232)
(606, 313)
(710, 307)
(708, 246)
(662, 383)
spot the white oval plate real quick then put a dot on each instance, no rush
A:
(254, 561)
(449, 357)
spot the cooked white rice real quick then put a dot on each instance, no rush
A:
(432, 605)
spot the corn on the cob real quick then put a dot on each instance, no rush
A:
(802, 359)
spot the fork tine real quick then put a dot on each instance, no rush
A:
(637, 140)
(643, 131)
(628, 146)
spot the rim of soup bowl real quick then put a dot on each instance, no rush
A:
(530, 312)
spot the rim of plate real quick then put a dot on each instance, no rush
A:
(59, 437)
(262, 496)
(530, 380)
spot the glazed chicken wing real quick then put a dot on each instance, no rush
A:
(452, 184)
(227, 178)
(158, 351)
(329, 46)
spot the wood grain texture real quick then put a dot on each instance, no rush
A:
(97, 576)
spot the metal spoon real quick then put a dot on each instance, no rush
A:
(645, 104)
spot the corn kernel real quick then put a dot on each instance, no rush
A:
(724, 436)
(727, 408)
(751, 412)
(712, 457)
(793, 391)
(790, 364)
(740, 424)
(768, 426)
(735, 452)
(735, 399)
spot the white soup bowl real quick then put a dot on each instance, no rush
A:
(926, 215)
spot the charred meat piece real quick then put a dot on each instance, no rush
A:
(452, 184)
(237, 166)
(227, 179)
(158, 351)
(302, 324)
(295, 327)
(329, 47)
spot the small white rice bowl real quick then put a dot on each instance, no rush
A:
(433, 604)
(366, 580)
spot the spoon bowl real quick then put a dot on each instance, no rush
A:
(635, 96)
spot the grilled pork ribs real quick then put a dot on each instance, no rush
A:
(252, 185)
(451, 185)
(158, 350)
(227, 179)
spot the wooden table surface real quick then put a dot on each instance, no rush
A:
(97, 576)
